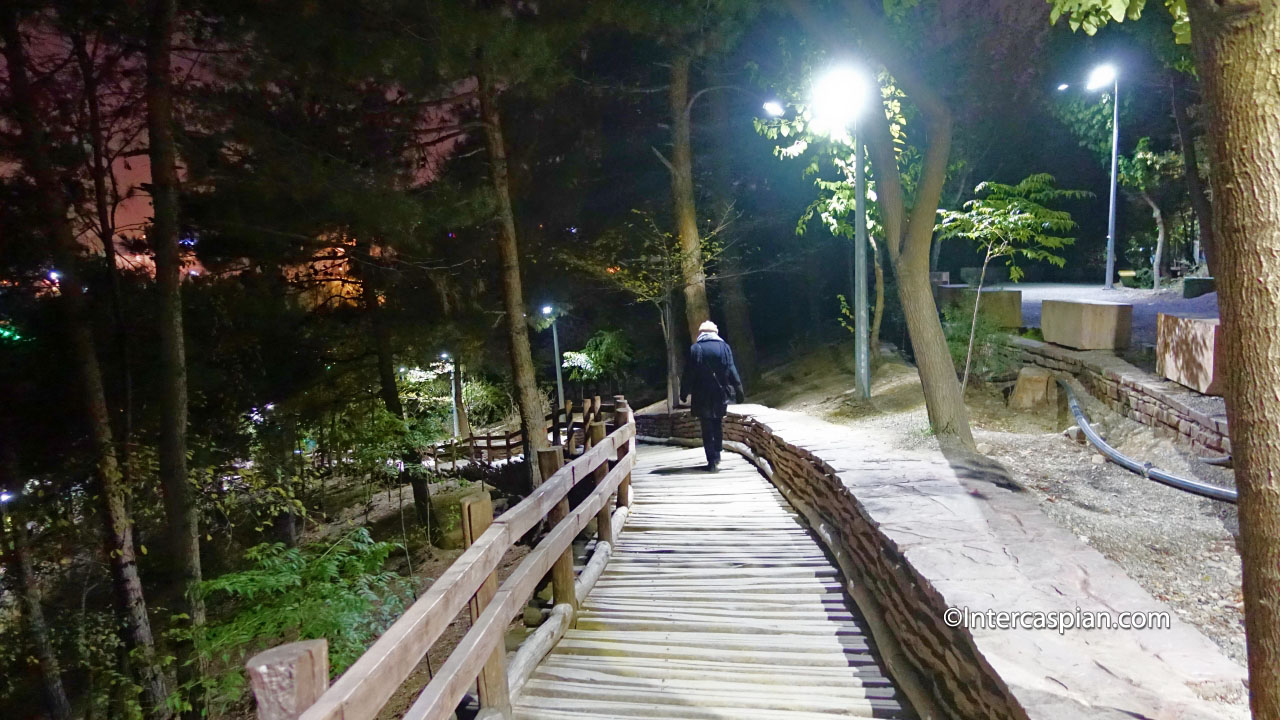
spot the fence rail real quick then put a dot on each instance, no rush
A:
(565, 426)
(285, 679)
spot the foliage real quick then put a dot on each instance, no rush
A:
(486, 402)
(1013, 221)
(605, 356)
(1147, 170)
(992, 358)
(1089, 15)
(337, 591)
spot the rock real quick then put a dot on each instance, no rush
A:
(1035, 387)
(532, 616)
(1075, 433)
(1098, 460)
(984, 448)
(1086, 325)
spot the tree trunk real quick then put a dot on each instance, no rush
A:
(1237, 46)
(696, 308)
(106, 235)
(1162, 231)
(118, 524)
(389, 391)
(532, 419)
(31, 608)
(737, 318)
(180, 505)
(1191, 172)
(460, 407)
(877, 313)
(973, 324)
(667, 317)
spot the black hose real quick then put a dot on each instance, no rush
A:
(1224, 461)
(1146, 470)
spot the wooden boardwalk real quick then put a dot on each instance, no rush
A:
(716, 605)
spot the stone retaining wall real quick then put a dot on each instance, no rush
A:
(916, 533)
(1134, 393)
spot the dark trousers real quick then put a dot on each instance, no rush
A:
(712, 438)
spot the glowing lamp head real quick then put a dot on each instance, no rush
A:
(444, 356)
(774, 109)
(5, 497)
(1063, 86)
(546, 309)
(53, 275)
(840, 95)
(1101, 77)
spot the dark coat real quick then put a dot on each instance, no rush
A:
(711, 377)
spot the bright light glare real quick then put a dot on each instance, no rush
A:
(5, 497)
(839, 97)
(53, 275)
(774, 108)
(546, 309)
(1063, 86)
(1101, 77)
(444, 356)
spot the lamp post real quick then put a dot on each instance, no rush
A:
(555, 342)
(839, 96)
(453, 390)
(1100, 78)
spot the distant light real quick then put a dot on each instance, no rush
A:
(546, 309)
(774, 108)
(1102, 76)
(270, 406)
(5, 497)
(444, 356)
(403, 368)
(53, 275)
(194, 273)
(839, 96)
(1063, 86)
(573, 230)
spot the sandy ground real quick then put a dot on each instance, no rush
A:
(1146, 304)
(1179, 547)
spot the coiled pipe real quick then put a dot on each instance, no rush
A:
(1146, 470)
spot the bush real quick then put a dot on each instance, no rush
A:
(487, 403)
(993, 359)
(337, 591)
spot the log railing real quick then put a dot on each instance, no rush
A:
(289, 682)
(563, 426)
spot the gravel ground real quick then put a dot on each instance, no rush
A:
(1179, 547)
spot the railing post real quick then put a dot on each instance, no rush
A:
(289, 679)
(477, 516)
(549, 461)
(604, 518)
(568, 424)
(622, 416)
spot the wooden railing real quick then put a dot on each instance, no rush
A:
(289, 681)
(563, 426)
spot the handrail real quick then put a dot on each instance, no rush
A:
(1146, 470)
(367, 685)
(508, 444)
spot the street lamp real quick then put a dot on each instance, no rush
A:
(5, 497)
(774, 108)
(555, 341)
(453, 389)
(1102, 76)
(839, 97)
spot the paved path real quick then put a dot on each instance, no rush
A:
(717, 605)
(1147, 304)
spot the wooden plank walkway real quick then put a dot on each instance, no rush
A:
(716, 605)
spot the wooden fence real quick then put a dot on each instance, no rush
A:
(566, 426)
(289, 682)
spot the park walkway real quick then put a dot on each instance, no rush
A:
(717, 604)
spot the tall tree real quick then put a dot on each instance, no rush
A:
(1237, 52)
(180, 502)
(15, 542)
(908, 229)
(119, 542)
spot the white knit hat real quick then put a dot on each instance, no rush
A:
(708, 327)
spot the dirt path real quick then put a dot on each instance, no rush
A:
(1179, 547)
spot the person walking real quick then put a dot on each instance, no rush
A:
(712, 379)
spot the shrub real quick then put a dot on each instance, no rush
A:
(336, 591)
(992, 357)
